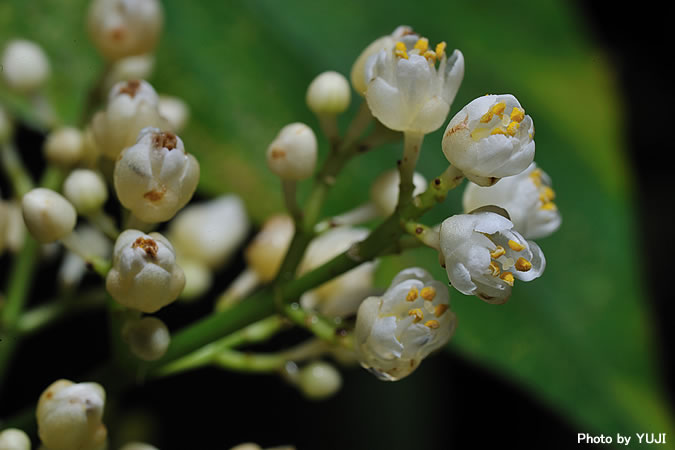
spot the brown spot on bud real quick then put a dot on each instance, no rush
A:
(130, 88)
(117, 34)
(277, 153)
(165, 139)
(155, 195)
(146, 244)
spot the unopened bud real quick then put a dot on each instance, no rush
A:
(268, 248)
(319, 380)
(175, 111)
(329, 93)
(64, 146)
(48, 215)
(292, 155)
(25, 66)
(14, 439)
(148, 338)
(385, 190)
(86, 190)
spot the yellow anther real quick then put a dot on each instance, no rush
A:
(549, 206)
(499, 251)
(546, 194)
(535, 176)
(494, 269)
(496, 109)
(422, 45)
(440, 49)
(512, 129)
(412, 294)
(400, 50)
(498, 131)
(523, 265)
(428, 293)
(433, 324)
(417, 314)
(430, 55)
(508, 278)
(517, 114)
(440, 309)
(515, 246)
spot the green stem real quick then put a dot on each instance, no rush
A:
(18, 176)
(412, 145)
(248, 362)
(322, 327)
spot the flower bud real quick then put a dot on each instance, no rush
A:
(86, 190)
(292, 155)
(484, 255)
(48, 216)
(120, 28)
(384, 190)
(410, 320)
(64, 146)
(144, 274)
(25, 66)
(339, 297)
(148, 338)
(6, 126)
(14, 439)
(132, 106)
(490, 138)
(69, 416)
(319, 380)
(138, 446)
(329, 93)
(156, 177)
(175, 111)
(268, 248)
(137, 67)
(527, 197)
(210, 232)
(198, 278)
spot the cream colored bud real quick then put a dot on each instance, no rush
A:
(138, 446)
(292, 155)
(14, 439)
(319, 380)
(268, 248)
(64, 146)
(384, 190)
(175, 111)
(69, 416)
(148, 338)
(137, 67)
(120, 28)
(86, 190)
(48, 215)
(198, 278)
(329, 93)
(25, 66)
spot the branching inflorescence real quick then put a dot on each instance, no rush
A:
(302, 268)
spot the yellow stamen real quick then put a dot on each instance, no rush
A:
(433, 324)
(428, 293)
(517, 114)
(412, 294)
(440, 309)
(499, 251)
(440, 49)
(508, 278)
(498, 131)
(549, 206)
(496, 109)
(523, 265)
(535, 176)
(494, 269)
(417, 313)
(515, 246)
(512, 129)
(430, 55)
(422, 45)
(546, 194)
(401, 50)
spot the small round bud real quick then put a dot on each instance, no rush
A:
(137, 67)
(144, 274)
(384, 190)
(69, 416)
(86, 190)
(120, 28)
(319, 380)
(25, 66)
(138, 446)
(329, 93)
(175, 111)
(156, 177)
(268, 248)
(64, 146)
(14, 439)
(48, 215)
(292, 155)
(6, 126)
(148, 338)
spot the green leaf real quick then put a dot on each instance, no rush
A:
(579, 337)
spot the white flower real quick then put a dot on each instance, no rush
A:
(341, 296)
(411, 86)
(527, 197)
(48, 215)
(25, 66)
(69, 416)
(268, 248)
(144, 274)
(210, 232)
(484, 255)
(293, 152)
(156, 177)
(122, 28)
(490, 138)
(328, 93)
(410, 320)
(132, 106)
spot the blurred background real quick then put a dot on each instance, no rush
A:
(585, 348)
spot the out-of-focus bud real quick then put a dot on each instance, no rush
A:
(86, 190)
(137, 67)
(268, 248)
(64, 146)
(175, 111)
(319, 380)
(138, 446)
(73, 267)
(48, 215)
(25, 66)
(148, 338)
(384, 190)
(14, 439)
(328, 94)
(292, 154)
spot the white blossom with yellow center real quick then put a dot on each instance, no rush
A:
(484, 255)
(410, 320)
(412, 85)
(527, 197)
(490, 138)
